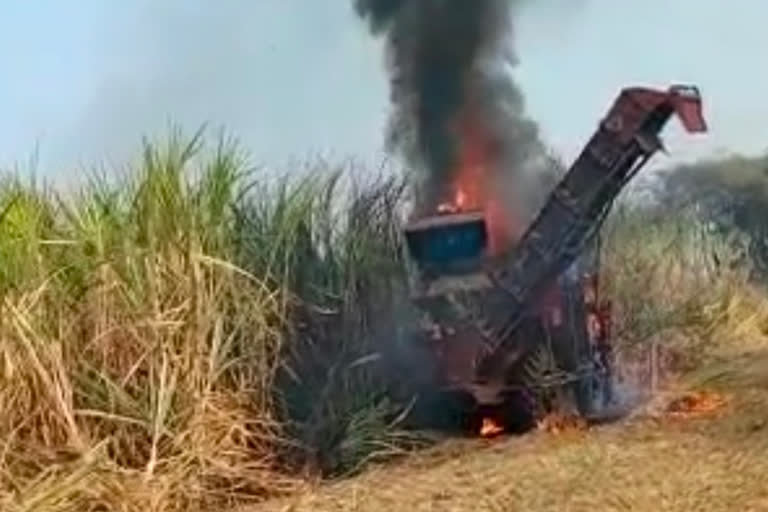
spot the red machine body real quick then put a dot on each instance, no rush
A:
(489, 317)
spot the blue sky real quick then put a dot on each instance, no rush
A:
(84, 80)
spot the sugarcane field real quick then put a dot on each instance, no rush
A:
(379, 255)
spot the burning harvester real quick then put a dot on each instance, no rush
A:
(507, 324)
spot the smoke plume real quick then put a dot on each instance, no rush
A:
(449, 63)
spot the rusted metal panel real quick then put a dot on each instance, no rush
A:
(488, 315)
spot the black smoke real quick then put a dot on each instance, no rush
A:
(445, 56)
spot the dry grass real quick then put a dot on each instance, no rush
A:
(129, 382)
(189, 335)
(672, 288)
(193, 337)
(679, 287)
(651, 462)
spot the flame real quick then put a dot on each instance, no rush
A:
(697, 402)
(447, 208)
(472, 187)
(491, 428)
(459, 203)
(461, 199)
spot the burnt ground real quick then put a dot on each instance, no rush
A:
(654, 460)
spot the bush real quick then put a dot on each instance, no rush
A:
(185, 335)
(337, 253)
(190, 333)
(677, 284)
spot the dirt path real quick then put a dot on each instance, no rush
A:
(652, 462)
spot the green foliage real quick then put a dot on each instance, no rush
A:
(190, 323)
(339, 260)
(731, 194)
(675, 281)
(172, 336)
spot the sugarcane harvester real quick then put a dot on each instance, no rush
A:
(505, 327)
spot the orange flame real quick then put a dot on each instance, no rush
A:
(473, 186)
(490, 428)
(696, 402)
(461, 199)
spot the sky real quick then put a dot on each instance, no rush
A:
(81, 82)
